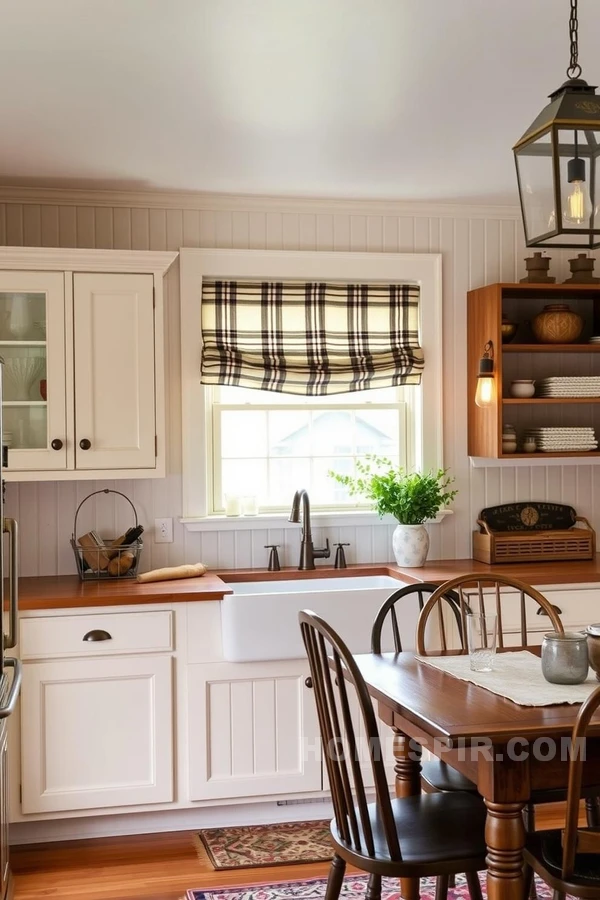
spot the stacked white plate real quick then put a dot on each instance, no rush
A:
(595, 339)
(569, 386)
(570, 440)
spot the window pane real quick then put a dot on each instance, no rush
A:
(243, 434)
(333, 433)
(377, 432)
(289, 433)
(285, 477)
(325, 490)
(243, 477)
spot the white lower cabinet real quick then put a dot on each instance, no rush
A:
(96, 733)
(253, 730)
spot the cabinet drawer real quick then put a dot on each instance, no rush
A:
(49, 637)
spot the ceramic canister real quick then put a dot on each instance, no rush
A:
(565, 657)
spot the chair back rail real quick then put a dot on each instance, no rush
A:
(420, 592)
(576, 840)
(333, 670)
(472, 598)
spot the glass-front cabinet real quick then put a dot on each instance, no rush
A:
(32, 345)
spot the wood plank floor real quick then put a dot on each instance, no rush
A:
(144, 867)
(147, 867)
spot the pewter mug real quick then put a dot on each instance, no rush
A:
(565, 657)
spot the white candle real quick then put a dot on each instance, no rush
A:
(232, 505)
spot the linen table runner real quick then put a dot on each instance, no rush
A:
(516, 676)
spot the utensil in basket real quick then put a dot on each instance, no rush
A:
(100, 558)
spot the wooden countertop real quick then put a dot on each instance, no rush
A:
(68, 592)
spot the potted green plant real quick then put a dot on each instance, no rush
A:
(410, 497)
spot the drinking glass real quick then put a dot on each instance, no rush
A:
(481, 641)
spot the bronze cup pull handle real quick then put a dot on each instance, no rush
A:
(542, 612)
(98, 634)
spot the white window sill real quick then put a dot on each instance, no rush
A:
(280, 520)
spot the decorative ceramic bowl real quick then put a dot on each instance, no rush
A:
(593, 644)
(522, 387)
(19, 374)
(507, 330)
(557, 324)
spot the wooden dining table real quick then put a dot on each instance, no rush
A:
(508, 750)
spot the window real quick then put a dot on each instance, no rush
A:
(269, 444)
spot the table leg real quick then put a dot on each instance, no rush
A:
(505, 839)
(407, 755)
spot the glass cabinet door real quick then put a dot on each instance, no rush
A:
(32, 345)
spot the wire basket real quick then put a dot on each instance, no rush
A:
(98, 558)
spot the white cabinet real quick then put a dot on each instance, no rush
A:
(82, 337)
(32, 344)
(96, 733)
(253, 730)
(115, 423)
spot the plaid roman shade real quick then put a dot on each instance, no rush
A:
(310, 339)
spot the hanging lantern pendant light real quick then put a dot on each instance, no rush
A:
(558, 163)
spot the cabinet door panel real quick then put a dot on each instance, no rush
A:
(114, 371)
(253, 730)
(32, 344)
(96, 733)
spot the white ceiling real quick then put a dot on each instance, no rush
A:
(408, 99)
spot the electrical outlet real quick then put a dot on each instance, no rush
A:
(163, 531)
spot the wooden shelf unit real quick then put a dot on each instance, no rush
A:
(520, 302)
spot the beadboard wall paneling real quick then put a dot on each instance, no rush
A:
(477, 248)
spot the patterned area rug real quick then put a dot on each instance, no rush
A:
(250, 846)
(353, 888)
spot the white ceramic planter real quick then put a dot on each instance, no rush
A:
(410, 544)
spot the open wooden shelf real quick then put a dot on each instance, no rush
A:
(535, 401)
(521, 302)
(551, 348)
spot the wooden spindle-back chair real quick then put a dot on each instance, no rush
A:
(569, 861)
(430, 834)
(436, 774)
(482, 593)
(388, 615)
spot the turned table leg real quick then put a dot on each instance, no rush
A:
(407, 755)
(505, 839)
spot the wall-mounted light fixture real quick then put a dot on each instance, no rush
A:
(486, 386)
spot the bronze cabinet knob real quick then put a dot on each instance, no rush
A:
(57, 444)
(85, 444)
(308, 682)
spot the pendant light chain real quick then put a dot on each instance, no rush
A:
(574, 70)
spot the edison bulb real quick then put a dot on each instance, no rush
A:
(484, 395)
(578, 206)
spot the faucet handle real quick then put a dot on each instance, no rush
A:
(340, 556)
(274, 565)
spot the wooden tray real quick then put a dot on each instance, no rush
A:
(578, 542)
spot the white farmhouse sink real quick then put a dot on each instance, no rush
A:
(259, 620)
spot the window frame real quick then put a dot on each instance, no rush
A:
(423, 269)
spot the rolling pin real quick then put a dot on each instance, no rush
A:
(172, 572)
